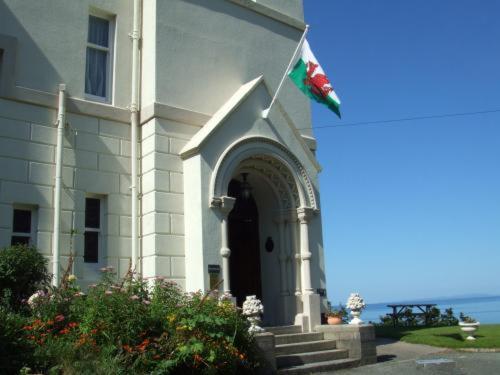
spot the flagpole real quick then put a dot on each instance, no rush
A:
(265, 112)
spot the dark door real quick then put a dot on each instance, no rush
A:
(244, 261)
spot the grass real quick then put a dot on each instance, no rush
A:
(487, 336)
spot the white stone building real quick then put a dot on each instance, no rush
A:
(222, 193)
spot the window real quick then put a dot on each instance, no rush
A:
(23, 226)
(98, 65)
(1, 64)
(92, 236)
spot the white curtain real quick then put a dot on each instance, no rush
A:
(97, 60)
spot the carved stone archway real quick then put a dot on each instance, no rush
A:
(296, 194)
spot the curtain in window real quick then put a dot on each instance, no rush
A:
(95, 72)
(96, 65)
(98, 31)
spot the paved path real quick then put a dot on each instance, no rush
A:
(399, 358)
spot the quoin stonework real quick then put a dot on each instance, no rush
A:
(222, 198)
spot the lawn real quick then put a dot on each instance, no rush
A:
(487, 336)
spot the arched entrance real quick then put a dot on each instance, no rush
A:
(243, 227)
(282, 205)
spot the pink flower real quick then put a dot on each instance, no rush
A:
(108, 292)
(134, 297)
(146, 302)
(92, 286)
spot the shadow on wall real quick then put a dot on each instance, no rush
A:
(36, 67)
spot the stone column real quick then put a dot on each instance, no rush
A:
(304, 214)
(280, 221)
(311, 314)
(295, 256)
(224, 205)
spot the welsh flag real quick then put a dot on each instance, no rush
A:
(310, 78)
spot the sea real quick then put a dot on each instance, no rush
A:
(486, 310)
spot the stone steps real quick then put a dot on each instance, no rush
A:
(298, 359)
(284, 330)
(305, 347)
(305, 353)
(291, 338)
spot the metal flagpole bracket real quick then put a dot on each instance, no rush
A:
(265, 112)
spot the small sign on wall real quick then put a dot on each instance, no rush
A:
(213, 274)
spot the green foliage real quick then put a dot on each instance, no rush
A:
(23, 270)
(448, 318)
(467, 319)
(132, 326)
(410, 319)
(16, 351)
(339, 312)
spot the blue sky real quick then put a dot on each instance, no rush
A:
(410, 209)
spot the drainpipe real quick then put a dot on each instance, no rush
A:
(134, 124)
(61, 121)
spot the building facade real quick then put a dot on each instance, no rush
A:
(225, 198)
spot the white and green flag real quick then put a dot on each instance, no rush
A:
(310, 78)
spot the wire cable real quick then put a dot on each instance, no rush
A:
(447, 115)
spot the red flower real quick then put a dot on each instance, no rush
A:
(127, 348)
(142, 346)
(72, 325)
(64, 331)
(59, 318)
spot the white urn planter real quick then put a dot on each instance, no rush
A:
(469, 329)
(356, 304)
(355, 317)
(252, 309)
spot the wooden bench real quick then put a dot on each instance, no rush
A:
(398, 311)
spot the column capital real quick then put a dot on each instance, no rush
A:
(225, 252)
(304, 214)
(223, 204)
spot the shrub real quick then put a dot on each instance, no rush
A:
(16, 351)
(23, 270)
(132, 327)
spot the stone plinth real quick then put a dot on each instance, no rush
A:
(266, 344)
(358, 339)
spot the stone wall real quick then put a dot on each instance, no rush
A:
(163, 199)
(358, 339)
(96, 160)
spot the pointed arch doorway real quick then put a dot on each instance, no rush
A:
(243, 226)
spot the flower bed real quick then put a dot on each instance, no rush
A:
(132, 326)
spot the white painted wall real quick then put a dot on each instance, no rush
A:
(194, 55)
(231, 46)
(95, 161)
(51, 43)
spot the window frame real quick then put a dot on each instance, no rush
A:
(100, 231)
(110, 61)
(33, 223)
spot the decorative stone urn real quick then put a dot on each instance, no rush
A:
(355, 317)
(252, 309)
(469, 329)
(356, 304)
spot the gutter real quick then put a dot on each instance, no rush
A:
(61, 121)
(134, 125)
